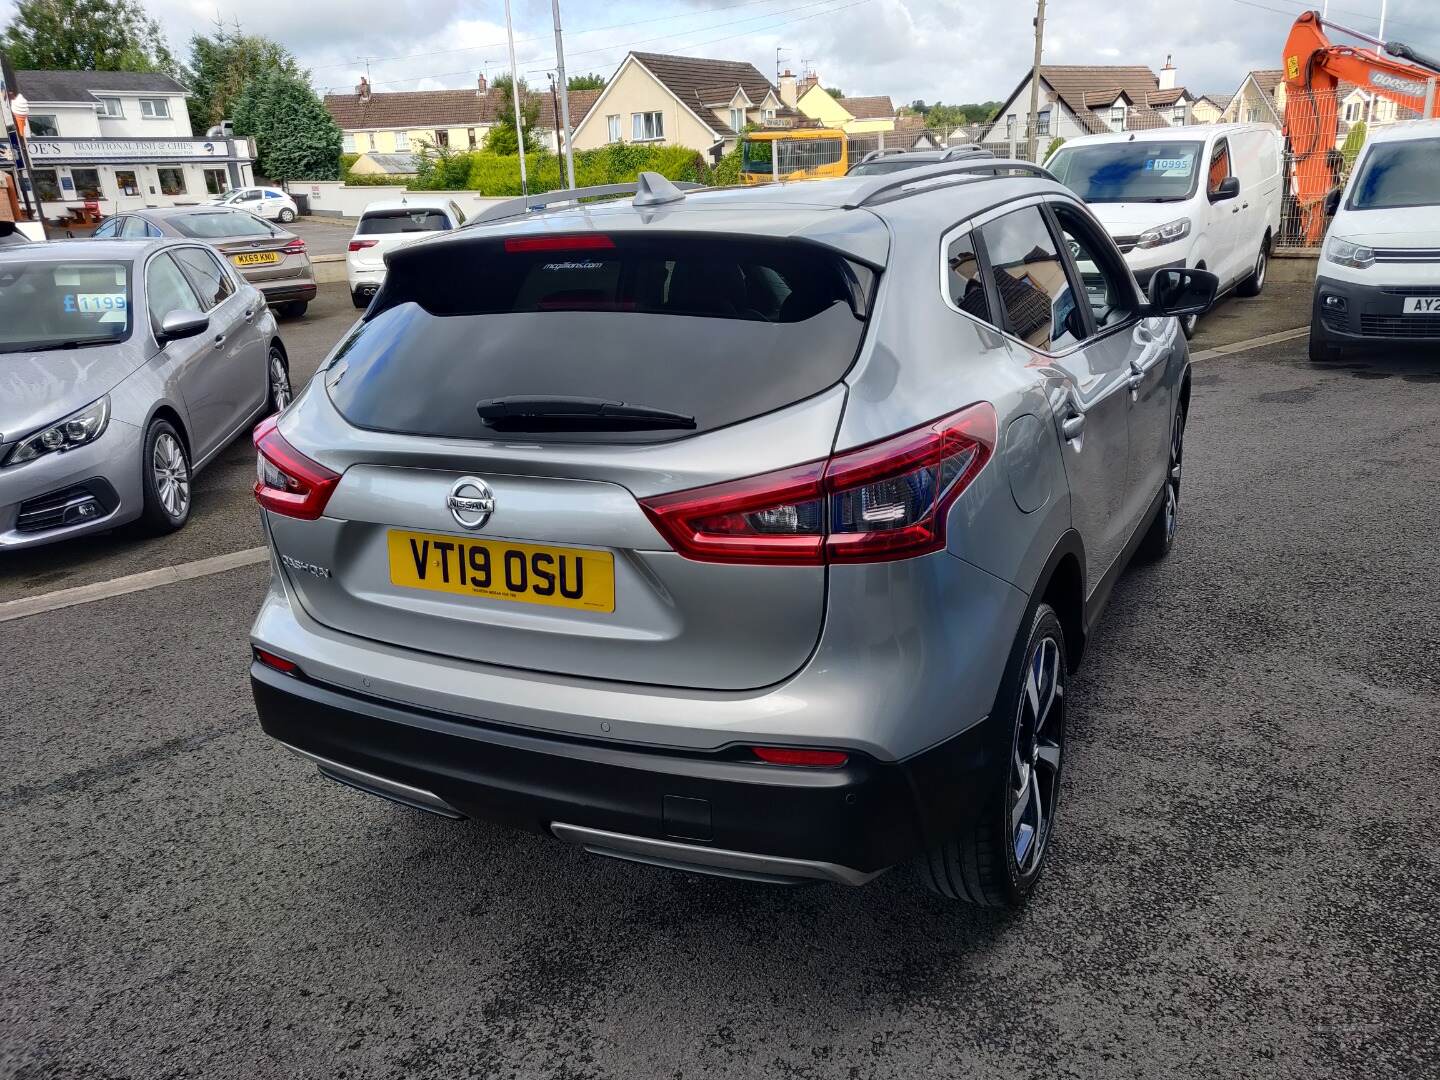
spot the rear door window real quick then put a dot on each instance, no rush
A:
(1038, 303)
(387, 222)
(717, 329)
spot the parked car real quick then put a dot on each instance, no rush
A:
(266, 202)
(128, 365)
(754, 531)
(1378, 278)
(879, 162)
(10, 234)
(272, 259)
(384, 226)
(1206, 196)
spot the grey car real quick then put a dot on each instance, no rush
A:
(125, 366)
(271, 258)
(754, 531)
(880, 162)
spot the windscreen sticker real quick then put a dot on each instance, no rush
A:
(105, 304)
(1181, 166)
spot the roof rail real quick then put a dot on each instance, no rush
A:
(890, 186)
(965, 150)
(651, 189)
(874, 155)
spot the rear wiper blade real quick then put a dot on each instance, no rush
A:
(541, 413)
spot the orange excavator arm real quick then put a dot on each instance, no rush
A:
(1314, 69)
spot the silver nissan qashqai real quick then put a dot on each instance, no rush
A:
(755, 531)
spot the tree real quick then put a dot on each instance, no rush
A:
(502, 138)
(586, 82)
(1354, 142)
(1055, 144)
(833, 91)
(221, 65)
(295, 138)
(86, 35)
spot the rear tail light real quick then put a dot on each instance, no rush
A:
(811, 759)
(286, 481)
(885, 501)
(294, 247)
(276, 663)
(361, 245)
(578, 242)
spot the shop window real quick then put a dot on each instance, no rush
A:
(155, 108)
(47, 185)
(43, 126)
(87, 183)
(126, 182)
(172, 181)
(216, 182)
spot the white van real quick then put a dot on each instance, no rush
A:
(1205, 196)
(384, 226)
(1378, 279)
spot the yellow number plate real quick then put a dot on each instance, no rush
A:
(255, 258)
(502, 570)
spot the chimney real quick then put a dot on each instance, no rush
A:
(1167, 75)
(787, 88)
(363, 89)
(482, 86)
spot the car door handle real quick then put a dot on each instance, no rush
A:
(1072, 426)
(219, 341)
(249, 314)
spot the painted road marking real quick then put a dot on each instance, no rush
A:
(1251, 343)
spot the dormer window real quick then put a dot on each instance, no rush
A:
(110, 106)
(1117, 116)
(154, 108)
(737, 119)
(1177, 115)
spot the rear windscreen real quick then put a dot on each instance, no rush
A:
(220, 225)
(386, 222)
(720, 330)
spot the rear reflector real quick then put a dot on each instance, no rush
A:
(812, 759)
(361, 245)
(278, 663)
(286, 481)
(885, 501)
(578, 242)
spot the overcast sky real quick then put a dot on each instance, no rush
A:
(953, 50)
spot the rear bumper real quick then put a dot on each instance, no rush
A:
(710, 811)
(283, 294)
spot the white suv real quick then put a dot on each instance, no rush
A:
(1378, 279)
(383, 227)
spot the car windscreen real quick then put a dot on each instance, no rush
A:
(47, 304)
(385, 222)
(716, 329)
(220, 225)
(1148, 171)
(1398, 174)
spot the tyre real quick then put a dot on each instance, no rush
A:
(294, 308)
(359, 299)
(1252, 285)
(279, 374)
(1321, 351)
(995, 859)
(287, 215)
(1160, 536)
(164, 480)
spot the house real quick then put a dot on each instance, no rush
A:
(682, 101)
(403, 122)
(854, 115)
(104, 141)
(1088, 99)
(1259, 100)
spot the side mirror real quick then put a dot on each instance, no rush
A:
(183, 323)
(1332, 202)
(1226, 189)
(1180, 292)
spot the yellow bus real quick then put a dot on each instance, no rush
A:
(801, 154)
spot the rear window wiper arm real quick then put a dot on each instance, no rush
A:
(541, 413)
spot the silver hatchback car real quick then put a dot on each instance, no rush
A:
(125, 366)
(753, 531)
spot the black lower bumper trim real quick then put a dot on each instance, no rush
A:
(864, 816)
(284, 294)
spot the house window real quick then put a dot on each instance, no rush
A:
(1177, 114)
(737, 119)
(402, 142)
(172, 181)
(87, 183)
(43, 125)
(470, 137)
(154, 108)
(347, 142)
(647, 126)
(1042, 122)
(768, 116)
(110, 106)
(442, 137)
(1117, 117)
(47, 185)
(217, 183)
(1252, 114)
(612, 123)
(1010, 126)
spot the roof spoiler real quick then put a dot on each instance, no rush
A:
(649, 189)
(890, 186)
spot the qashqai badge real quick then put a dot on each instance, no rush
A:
(471, 502)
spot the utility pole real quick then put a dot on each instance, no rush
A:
(564, 115)
(515, 97)
(778, 51)
(1030, 148)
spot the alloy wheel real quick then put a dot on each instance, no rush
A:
(1172, 480)
(280, 394)
(1261, 264)
(1035, 759)
(172, 475)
